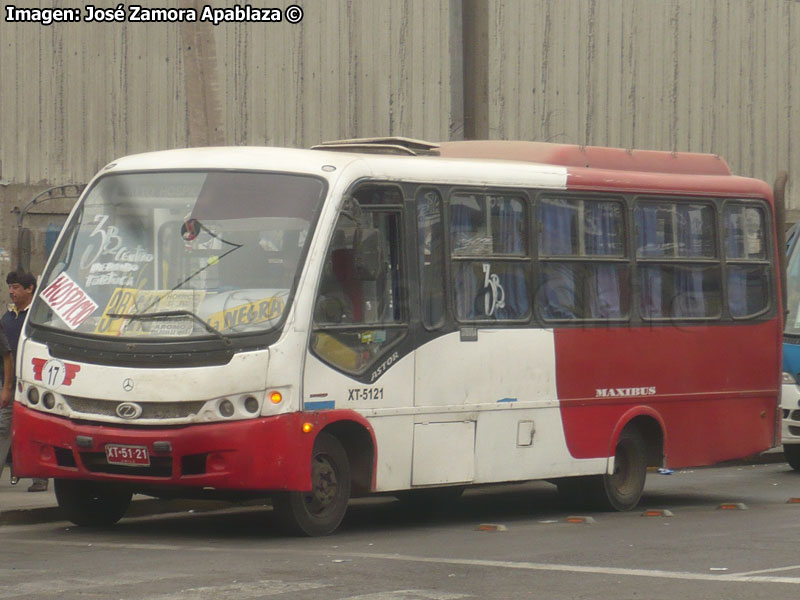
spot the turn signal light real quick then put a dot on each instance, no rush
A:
(275, 397)
(307, 427)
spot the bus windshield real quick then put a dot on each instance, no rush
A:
(180, 254)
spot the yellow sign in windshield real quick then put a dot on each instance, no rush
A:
(132, 301)
(247, 314)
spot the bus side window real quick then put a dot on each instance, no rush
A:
(430, 248)
(677, 263)
(583, 274)
(360, 311)
(490, 257)
(747, 261)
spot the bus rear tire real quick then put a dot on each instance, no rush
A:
(622, 489)
(792, 454)
(319, 511)
(92, 503)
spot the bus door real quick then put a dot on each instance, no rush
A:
(359, 356)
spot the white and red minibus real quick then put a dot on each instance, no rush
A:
(391, 316)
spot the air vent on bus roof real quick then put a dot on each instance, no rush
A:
(381, 145)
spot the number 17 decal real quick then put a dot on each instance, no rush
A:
(54, 373)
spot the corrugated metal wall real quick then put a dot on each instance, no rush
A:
(694, 75)
(716, 76)
(74, 96)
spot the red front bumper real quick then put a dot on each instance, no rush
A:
(270, 453)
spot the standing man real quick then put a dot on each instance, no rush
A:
(21, 287)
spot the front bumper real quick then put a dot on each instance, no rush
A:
(264, 454)
(790, 405)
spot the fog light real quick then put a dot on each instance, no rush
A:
(162, 446)
(251, 404)
(216, 462)
(33, 395)
(48, 400)
(226, 408)
(46, 453)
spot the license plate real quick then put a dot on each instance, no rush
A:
(117, 454)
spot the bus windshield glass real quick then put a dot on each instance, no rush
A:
(181, 254)
(793, 290)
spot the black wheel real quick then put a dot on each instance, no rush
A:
(92, 503)
(622, 489)
(792, 454)
(319, 511)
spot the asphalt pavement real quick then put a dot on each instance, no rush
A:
(18, 506)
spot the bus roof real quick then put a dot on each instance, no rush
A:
(546, 153)
(571, 155)
(474, 163)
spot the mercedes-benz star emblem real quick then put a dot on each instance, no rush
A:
(129, 410)
(127, 385)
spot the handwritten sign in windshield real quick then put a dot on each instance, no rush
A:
(68, 301)
(250, 313)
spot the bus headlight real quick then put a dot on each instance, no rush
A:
(226, 408)
(789, 378)
(49, 400)
(33, 395)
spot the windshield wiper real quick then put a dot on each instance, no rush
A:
(172, 313)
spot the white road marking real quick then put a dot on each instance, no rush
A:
(530, 566)
(52, 587)
(237, 591)
(409, 595)
(774, 570)
(745, 577)
(126, 546)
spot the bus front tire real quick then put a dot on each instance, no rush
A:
(319, 511)
(792, 454)
(92, 503)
